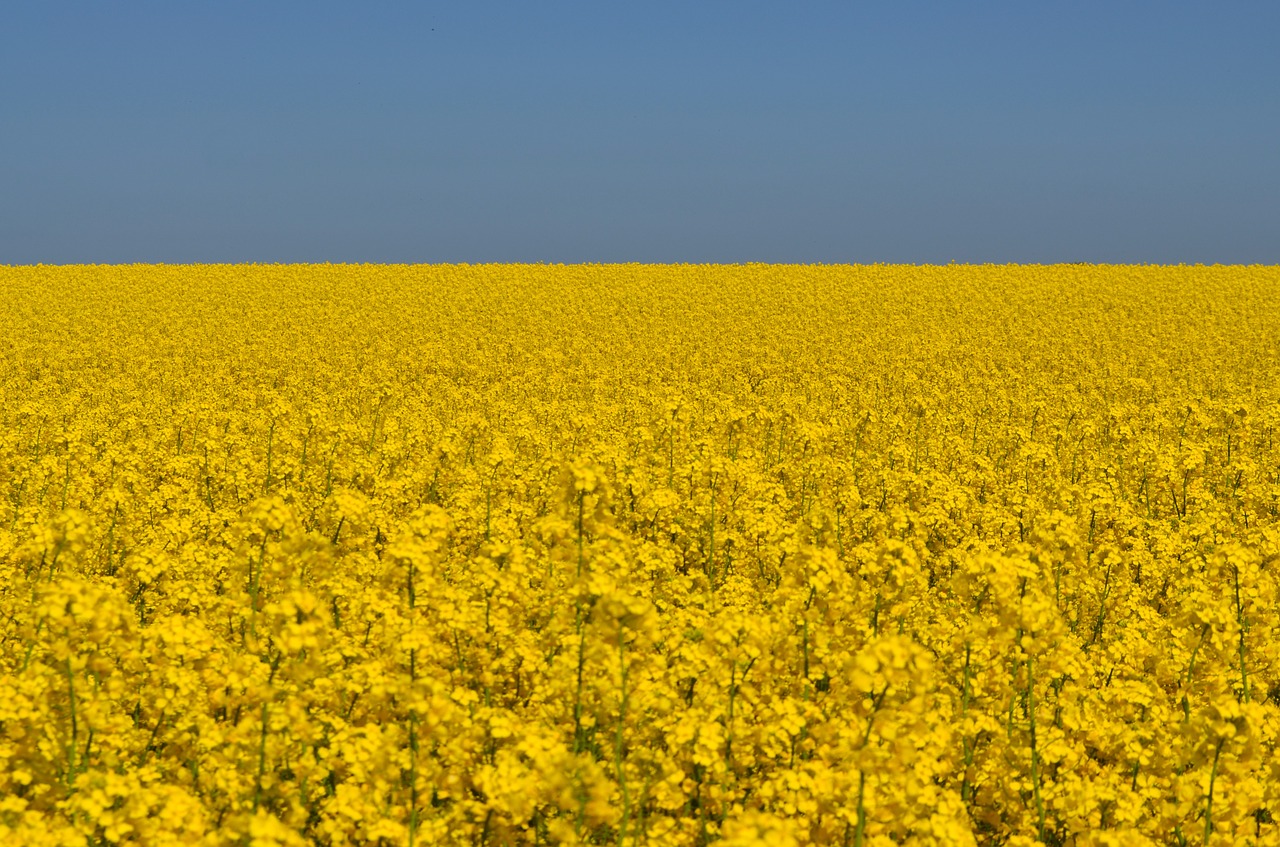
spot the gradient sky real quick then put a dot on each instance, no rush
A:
(694, 131)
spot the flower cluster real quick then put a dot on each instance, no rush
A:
(668, 555)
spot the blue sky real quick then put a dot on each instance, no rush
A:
(650, 131)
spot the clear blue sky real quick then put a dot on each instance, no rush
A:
(646, 131)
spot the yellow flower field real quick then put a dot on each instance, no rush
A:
(627, 554)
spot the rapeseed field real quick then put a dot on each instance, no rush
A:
(639, 555)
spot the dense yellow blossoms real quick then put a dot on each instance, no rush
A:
(639, 555)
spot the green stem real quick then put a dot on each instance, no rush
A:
(75, 725)
(862, 812)
(577, 695)
(413, 778)
(1035, 752)
(1242, 625)
(711, 557)
(618, 742)
(1102, 604)
(964, 740)
(1208, 805)
(413, 744)
(581, 507)
(271, 439)
(1191, 666)
(582, 636)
